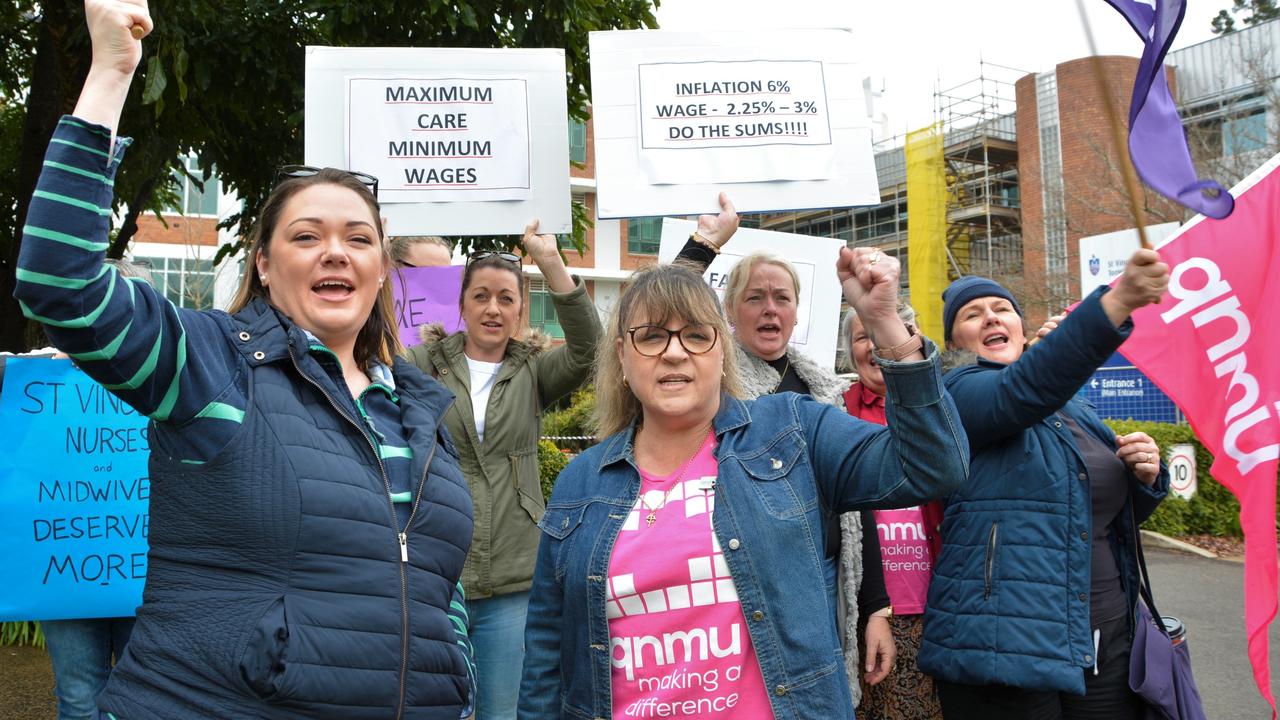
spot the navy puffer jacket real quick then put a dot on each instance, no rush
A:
(1009, 599)
(275, 587)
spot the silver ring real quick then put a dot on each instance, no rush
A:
(875, 258)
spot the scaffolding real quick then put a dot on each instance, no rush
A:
(984, 229)
(984, 232)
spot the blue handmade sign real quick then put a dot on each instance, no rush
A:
(74, 488)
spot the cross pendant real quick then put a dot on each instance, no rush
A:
(651, 519)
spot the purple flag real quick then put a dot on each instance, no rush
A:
(1157, 143)
(425, 295)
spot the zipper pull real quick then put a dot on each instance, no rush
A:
(404, 547)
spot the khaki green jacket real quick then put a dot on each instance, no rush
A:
(503, 470)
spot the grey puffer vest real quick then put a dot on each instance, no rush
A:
(759, 378)
(276, 587)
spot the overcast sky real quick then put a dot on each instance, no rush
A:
(912, 46)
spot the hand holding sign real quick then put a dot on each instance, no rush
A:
(718, 229)
(545, 253)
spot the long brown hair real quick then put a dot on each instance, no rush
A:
(379, 338)
(661, 292)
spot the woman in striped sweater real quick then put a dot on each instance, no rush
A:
(308, 517)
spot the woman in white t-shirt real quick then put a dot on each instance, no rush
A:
(502, 385)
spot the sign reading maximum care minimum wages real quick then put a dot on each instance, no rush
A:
(436, 139)
(733, 104)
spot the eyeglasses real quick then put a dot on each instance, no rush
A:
(509, 257)
(301, 171)
(653, 340)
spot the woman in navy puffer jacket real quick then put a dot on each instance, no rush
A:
(1030, 611)
(309, 520)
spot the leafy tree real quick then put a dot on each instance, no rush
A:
(225, 81)
(1252, 12)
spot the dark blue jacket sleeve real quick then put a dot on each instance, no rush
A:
(995, 404)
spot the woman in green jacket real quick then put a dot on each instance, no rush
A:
(502, 385)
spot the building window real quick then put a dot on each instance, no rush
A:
(542, 312)
(644, 235)
(577, 141)
(1244, 133)
(191, 199)
(187, 282)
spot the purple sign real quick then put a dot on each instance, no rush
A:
(425, 295)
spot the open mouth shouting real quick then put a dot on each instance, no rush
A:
(334, 288)
(995, 341)
(769, 330)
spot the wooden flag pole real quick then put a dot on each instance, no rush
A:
(1119, 138)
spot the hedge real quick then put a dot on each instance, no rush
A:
(1213, 510)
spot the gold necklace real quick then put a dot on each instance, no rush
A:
(652, 517)
(786, 369)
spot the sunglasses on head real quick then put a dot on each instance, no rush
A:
(301, 171)
(509, 257)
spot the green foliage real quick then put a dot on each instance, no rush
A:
(22, 633)
(1253, 11)
(551, 460)
(225, 81)
(574, 420)
(1212, 511)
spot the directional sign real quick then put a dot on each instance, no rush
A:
(1124, 393)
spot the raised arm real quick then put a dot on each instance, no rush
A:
(920, 455)
(995, 403)
(565, 368)
(713, 232)
(122, 332)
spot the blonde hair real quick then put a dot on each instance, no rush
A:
(659, 292)
(741, 274)
(379, 338)
(401, 245)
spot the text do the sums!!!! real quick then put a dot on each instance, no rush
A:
(733, 104)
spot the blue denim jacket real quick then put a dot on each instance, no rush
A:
(785, 461)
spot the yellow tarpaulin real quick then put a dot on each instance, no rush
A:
(927, 227)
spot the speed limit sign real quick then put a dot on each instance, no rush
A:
(1182, 470)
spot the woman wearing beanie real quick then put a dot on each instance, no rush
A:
(1031, 607)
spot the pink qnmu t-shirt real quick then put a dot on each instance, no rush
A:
(678, 641)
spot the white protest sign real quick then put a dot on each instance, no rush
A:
(457, 137)
(776, 119)
(440, 139)
(814, 258)
(1103, 257)
(776, 108)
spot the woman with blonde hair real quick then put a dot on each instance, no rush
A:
(761, 298)
(680, 572)
(308, 519)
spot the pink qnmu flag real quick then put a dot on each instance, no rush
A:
(1213, 345)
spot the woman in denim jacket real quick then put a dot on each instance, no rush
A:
(680, 572)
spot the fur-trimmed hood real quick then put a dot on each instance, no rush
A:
(957, 358)
(759, 378)
(536, 340)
